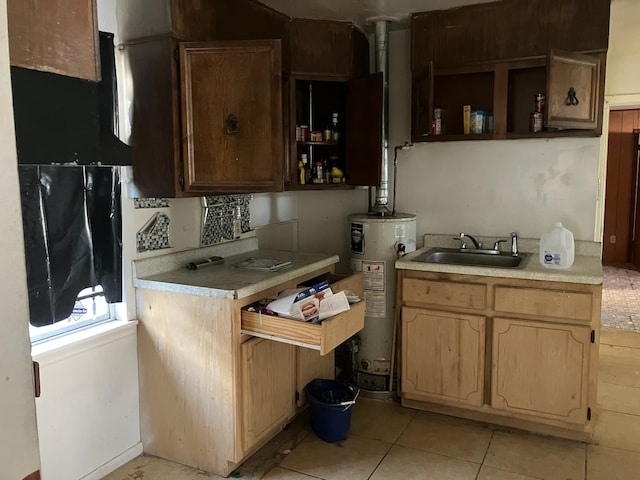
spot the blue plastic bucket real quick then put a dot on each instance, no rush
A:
(330, 405)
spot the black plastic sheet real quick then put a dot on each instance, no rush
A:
(72, 234)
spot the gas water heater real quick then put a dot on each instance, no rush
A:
(376, 243)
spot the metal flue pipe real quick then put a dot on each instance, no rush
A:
(381, 206)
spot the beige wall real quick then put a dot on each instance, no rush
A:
(18, 438)
(490, 188)
(623, 58)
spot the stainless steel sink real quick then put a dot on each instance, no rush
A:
(453, 256)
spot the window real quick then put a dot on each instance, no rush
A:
(91, 308)
(71, 218)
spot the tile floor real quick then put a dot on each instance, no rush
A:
(621, 299)
(390, 442)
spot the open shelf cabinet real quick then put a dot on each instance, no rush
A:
(507, 89)
(357, 152)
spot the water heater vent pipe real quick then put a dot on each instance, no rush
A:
(381, 206)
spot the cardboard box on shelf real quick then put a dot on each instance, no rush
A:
(466, 118)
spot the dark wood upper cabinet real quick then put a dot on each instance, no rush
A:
(328, 49)
(364, 130)
(203, 20)
(207, 117)
(496, 57)
(45, 36)
(190, 97)
(573, 90)
(329, 74)
(231, 116)
(422, 106)
(358, 103)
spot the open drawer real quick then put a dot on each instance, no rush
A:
(324, 336)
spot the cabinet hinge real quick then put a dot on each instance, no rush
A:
(588, 414)
(297, 396)
(593, 336)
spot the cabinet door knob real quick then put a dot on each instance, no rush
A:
(572, 99)
(232, 124)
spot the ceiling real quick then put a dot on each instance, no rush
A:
(360, 11)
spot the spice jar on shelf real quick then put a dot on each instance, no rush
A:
(318, 174)
(335, 130)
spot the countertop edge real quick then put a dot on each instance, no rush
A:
(585, 270)
(240, 292)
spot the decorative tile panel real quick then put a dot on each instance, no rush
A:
(154, 235)
(150, 202)
(218, 213)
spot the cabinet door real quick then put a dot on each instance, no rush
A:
(231, 116)
(58, 36)
(422, 104)
(573, 91)
(267, 388)
(364, 130)
(310, 365)
(443, 356)
(540, 369)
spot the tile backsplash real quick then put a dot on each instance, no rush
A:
(150, 202)
(154, 235)
(218, 213)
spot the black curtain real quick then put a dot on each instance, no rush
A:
(72, 234)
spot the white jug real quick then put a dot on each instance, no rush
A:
(557, 247)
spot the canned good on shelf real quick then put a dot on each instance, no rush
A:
(536, 122)
(538, 106)
(304, 133)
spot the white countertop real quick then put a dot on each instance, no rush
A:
(585, 269)
(223, 280)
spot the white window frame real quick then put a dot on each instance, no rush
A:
(70, 325)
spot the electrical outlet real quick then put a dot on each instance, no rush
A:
(612, 239)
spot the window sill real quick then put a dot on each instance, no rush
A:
(79, 341)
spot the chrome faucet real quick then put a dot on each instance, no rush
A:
(514, 244)
(476, 244)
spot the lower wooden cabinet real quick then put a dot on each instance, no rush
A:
(212, 394)
(520, 353)
(268, 390)
(309, 365)
(541, 369)
(443, 356)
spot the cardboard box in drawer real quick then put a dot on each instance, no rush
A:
(312, 304)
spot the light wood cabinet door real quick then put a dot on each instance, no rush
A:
(268, 397)
(443, 356)
(231, 116)
(541, 369)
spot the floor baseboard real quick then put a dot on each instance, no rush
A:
(115, 463)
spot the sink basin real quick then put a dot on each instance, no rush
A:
(453, 256)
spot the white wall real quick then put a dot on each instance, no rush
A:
(18, 436)
(313, 221)
(489, 187)
(88, 413)
(623, 57)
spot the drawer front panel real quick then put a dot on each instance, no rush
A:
(324, 336)
(449, 294)
(561, 304)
